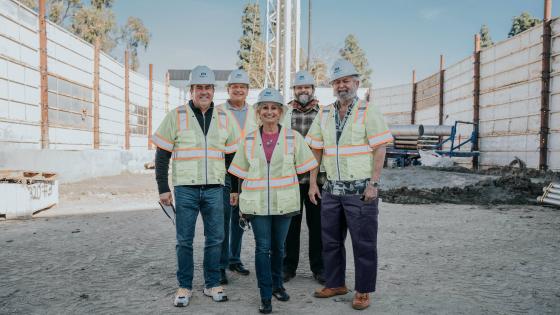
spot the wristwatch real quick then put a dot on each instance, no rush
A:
(374, 184)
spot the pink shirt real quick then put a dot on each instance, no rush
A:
(269, 142)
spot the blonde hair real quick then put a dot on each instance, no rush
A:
(260, 104)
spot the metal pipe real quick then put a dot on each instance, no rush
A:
(397, 142)
(437, 130)
(555, 185)
(552, 196)
(551, 190)
(406, 130)
(549, 201)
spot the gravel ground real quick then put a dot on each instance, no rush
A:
(433, 259)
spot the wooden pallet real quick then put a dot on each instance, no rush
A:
(20, 176)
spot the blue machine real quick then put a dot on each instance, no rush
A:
(405, 157)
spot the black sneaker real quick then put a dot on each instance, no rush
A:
(319, 277)
(223, 277)
(288, 276)
(280, 294)
(266, 306)
(239, 269)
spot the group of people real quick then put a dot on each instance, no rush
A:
(272, 152)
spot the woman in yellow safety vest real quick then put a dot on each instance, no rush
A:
(269, 160)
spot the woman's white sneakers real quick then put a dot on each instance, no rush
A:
(216, 293)
(182, 297)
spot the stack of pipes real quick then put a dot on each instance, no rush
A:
(551, 194)
(418, 137)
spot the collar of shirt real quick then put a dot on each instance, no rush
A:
(312, 105)
(197, 110)
(231, 107)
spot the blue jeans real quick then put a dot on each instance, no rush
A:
(189, 201)
(270, 234)
(231, 248)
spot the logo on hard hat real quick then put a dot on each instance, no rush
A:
(337, 69)
(203, 74)
(238, 75)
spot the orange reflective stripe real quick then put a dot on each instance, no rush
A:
(198, 153)
(307, 166)
(182, 117)
(347, 150)
(380, 138)
(314, 142)
(279, 182)
(162, 143)
(289, 141)
(238, 171)
(361, 112)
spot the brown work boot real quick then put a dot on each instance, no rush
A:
(361, 301)
(330, 292)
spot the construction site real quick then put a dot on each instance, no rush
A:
(469, 219)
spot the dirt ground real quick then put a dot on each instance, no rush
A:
(107, 249)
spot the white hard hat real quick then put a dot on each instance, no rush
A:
(342, 68)
(303, 78)
(202, 75)
(238, 76)
(270, 95)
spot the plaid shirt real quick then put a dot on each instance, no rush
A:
(301, 122)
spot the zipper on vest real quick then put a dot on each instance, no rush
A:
(205, 147)
(268, 186)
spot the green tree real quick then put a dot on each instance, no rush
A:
(522, 22)
(485, 39)
(354, 53)
(134, 35)
(251, 46)
(91, 23)
(57, 10)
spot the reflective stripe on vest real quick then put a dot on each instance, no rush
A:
(361, 113)
(182, 117)
(306, 166)
(325, 116)
(238, 171)
(348, 150)
(289, 141)
(250, 145)
(222, 119)
(197, 153)
(255, 184)
(380, 138)
(161, 142)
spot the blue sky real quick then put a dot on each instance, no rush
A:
(397, 36)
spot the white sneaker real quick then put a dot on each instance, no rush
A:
(182, 297)
(216, 293)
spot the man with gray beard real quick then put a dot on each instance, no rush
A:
(351, 135)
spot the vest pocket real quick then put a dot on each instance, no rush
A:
(249, 202)
(186, 138)
(359, 134)
(288, 200)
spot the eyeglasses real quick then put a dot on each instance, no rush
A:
(244, 224)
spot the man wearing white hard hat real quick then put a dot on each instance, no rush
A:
(196, 136)
(301, 113)
(243, 117)
(350, 137)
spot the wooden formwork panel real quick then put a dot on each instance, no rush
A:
(427, 92)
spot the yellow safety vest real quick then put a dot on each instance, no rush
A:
(271, 189)
(250, 120)
(198, 159)
(351, 158)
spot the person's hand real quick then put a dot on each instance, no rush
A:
(370, 194)
(166, 198)
(233, 199)
(314, 193)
